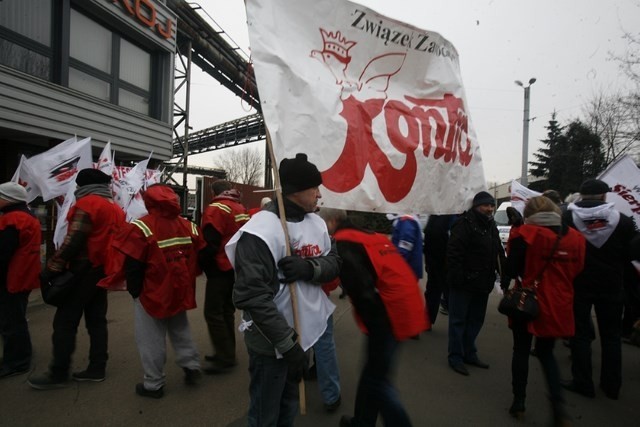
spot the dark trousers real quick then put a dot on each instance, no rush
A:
(520, 364)
(375, 392)
(273, 399)
(91, 301)
(219, 314)
(466, 317)
(609, 318)
(14, 329)
(436, 284)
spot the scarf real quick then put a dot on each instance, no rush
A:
(102, 190)
(544, 219)
(597, 223)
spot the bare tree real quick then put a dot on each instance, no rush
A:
(242, 165)
(614, 118)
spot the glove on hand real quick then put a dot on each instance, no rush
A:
(295, 268)
(296, 361)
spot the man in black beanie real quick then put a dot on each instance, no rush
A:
(600, 286)
(473, 253)
(258, 255)
(93, 221)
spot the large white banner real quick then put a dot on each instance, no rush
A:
(623, 177)
(57, 167)
(376, 104)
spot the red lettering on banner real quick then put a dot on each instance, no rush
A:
(308, 251)
(627, 196)
(144, 11)
(440, 123)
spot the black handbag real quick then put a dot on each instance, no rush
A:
(520, 303)
(55, 290)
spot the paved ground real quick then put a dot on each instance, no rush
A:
(433, 394)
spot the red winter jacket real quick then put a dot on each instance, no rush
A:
(555, 290)
(396, 283)
(24, 266)
(168, 245)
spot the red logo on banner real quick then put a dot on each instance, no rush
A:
(440, 126)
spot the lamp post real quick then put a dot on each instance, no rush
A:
(524, 177)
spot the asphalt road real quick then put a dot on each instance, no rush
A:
(433, 394)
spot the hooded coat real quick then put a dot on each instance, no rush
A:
(168, 246)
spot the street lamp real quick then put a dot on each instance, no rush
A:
(525, 132)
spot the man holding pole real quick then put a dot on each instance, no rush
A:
(258, 253)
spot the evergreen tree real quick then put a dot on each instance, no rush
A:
(546, 155)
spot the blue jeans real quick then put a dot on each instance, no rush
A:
(273, 399)
(466, 317)
(375, 391)
(327, 365)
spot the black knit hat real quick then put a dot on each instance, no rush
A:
(298, 174)
(483, 198)
(92, 176)
(594, 186)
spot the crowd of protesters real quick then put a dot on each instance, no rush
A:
(278, 265)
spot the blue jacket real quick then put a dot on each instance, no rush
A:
(407, 237)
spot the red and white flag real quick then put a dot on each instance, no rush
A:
(623, 176)
(105, 161)
(378, 105)
(127, 191)
(24, 176)
(57, 167)
(520, 194)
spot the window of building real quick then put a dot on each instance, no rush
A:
(25, 36)
(100, 62)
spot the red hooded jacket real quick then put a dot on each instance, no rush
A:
(24, 266)
(168, 245)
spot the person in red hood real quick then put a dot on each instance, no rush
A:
(161, 267)
(93, 221)
(389, 306)
(220, 221)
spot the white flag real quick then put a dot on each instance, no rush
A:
(57, 167)
(62, 224)
(24, 176)
(376, 104)
(105, 161)
(520, 194)
(623, 177)
(129, 197)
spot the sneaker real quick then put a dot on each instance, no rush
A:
(477, 363)
(192, 376)
(144, 392)
(331, 407)
(6, 372)
(47, 382)
(87, 375)
(460, 368)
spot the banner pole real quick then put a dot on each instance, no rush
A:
(292, 287)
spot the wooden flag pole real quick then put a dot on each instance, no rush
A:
(292, 286)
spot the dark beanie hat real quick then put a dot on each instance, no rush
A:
(483, 198)
(298, 174)
(92, 176)
(594, 186)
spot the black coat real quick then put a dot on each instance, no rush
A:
(472, 253)
(604, 267)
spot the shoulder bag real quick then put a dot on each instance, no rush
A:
(520, 303)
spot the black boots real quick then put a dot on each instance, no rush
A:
(517, 407)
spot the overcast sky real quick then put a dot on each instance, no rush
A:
(565, 44)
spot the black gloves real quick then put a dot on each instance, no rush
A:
(295, 268)
(296, 361)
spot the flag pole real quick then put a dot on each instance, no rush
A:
(292, 286)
